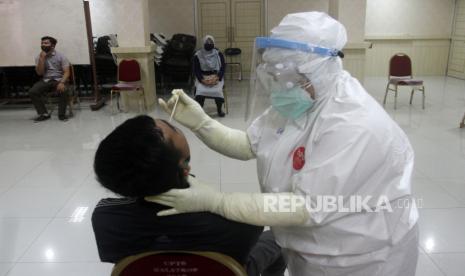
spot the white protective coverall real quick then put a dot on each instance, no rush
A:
(350, 146)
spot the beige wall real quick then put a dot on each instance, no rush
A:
(352, 14)
(277, 9)
(172, 16)
(409, 17)
(419, 28)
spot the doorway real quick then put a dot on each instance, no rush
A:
(233, 24)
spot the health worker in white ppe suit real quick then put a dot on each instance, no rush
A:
(321, 135)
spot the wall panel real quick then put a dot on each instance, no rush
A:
(429, 56)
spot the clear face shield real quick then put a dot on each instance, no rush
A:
(276, 81)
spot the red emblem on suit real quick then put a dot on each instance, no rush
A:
(298, 160)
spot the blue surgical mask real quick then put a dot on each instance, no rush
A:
(292, 103)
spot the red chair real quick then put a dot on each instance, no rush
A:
(128, 80)
(178, 263)
(400, 74)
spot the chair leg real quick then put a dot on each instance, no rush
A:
(395, 99)
(111, 101)
(462, 123)
(226, 102)
(240, 72)
(411, 96)
(70, 104)
(385, 94)
(424, 96)
(144, 102)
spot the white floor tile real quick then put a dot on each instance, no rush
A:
(55, 174)
(33, 202)
(455, 188)
(83, 202)
(15, 164)
(4, 268)
(426, 267)
(442, 230)
(64, 240)
(453, 264)
(432, 195)
(237, 171)
(208, 173)
(59, 269)
(17, 234)
(240, 187)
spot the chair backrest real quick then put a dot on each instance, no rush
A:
(232, 51)
(400, 65)
(178, 263)
(129, 70)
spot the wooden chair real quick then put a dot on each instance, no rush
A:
(190, 263)
(73, 96)
(400, 74)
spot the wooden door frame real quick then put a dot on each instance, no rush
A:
(196, 18)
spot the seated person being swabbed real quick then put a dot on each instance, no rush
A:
(209, 66)
(143, 157)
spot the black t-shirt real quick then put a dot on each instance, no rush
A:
(127, 226)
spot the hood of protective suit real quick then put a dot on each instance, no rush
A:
(315, 28)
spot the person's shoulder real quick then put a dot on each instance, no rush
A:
(60, 55)
(109, 202)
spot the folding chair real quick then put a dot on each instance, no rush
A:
(232, 52)
(400, 74)
(129, 78)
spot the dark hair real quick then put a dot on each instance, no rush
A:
(52, 40)
(135, 160)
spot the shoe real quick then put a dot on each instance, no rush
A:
(63, 118)
(42, 117)
(221, 114)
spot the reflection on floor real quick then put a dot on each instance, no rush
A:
(47, 188)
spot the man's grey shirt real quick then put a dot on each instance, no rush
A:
(55, 62)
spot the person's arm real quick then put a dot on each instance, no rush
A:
(227, 141)
(40, 64)
(223, 66)
(62, 84)
(251, 208)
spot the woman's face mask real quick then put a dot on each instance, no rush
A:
(208, 46)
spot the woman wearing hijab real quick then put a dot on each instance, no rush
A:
(209, 68)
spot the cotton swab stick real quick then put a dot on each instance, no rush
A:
(174, 109)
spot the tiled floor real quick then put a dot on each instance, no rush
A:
(47, 188)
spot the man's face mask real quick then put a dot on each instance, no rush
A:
(208, 46)
(46, 48)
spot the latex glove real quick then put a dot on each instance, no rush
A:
(240, 207)
(188, 112)
(197, 198)
(227, 141)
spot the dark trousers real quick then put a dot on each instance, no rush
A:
(38, 94)
(219, 101)
(266, 258)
